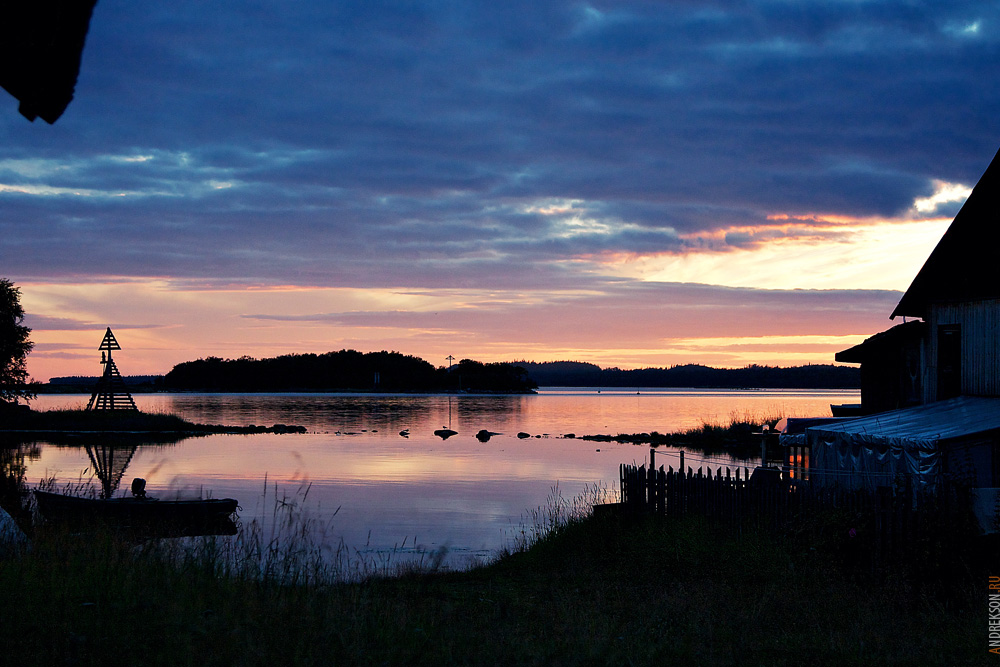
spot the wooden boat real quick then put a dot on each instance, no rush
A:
(146, 515)
(846, 410)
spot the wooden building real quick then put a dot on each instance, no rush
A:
(930, 387)
(891, 368)
(953, 346)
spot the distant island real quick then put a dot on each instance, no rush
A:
(84, 384)
(346, 370)
(582, 374)
(350, 370)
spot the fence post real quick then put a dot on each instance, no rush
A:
(622, 484)
(650, 489)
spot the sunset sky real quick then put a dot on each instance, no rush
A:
(629, 183)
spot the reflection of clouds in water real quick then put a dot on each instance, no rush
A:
(552, 411)
(374, 488)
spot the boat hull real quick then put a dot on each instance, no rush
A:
(168, 517)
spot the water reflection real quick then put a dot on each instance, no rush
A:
(428, 490)
(92, 496)
(13, 474)
(551, 411)
(109, 463)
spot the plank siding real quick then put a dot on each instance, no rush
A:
(980, 322)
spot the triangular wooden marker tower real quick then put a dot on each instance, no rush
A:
(110, 392)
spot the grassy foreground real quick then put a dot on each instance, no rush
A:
(591, 591)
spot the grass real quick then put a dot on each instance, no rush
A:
(57, 422)
(572, 589)
(735, 437)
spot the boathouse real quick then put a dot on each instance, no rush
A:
(952, 347)
(930, 387)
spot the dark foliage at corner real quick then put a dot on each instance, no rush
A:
(15, 345)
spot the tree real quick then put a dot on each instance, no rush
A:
(14, 345)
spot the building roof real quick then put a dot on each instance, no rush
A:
(881, 343)
(923, 425)
(963, 265)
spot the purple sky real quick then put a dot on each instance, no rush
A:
(632, 183)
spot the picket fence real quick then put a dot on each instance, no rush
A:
(887, 520)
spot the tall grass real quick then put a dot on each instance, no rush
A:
(285, 543)
(101, 420)
(736, 437)
(558, 513)
(571, 589)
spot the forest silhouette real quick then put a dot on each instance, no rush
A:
(344, 370)
(350, 370)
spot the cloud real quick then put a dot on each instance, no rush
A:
(632, 312)
(41, 323)
(621, 323)
(516, 147)
(63, 356)
(44, 323)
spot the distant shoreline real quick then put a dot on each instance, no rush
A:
(392, 373)
(528, 392)
(81, 391)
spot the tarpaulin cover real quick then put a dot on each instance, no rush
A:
(792, 430)
(874, 451)
(986, 506)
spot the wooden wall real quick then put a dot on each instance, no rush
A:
(980, 322)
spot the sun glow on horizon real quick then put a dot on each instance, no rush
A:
(857, 257)
(159, 327)
(162, 321)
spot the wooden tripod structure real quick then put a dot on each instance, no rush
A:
(110, 392)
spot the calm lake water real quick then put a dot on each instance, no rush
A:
(380, 492)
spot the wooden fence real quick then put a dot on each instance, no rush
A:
(886, 520)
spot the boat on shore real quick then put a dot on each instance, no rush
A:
(142, 515)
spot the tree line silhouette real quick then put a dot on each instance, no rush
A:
(583, 374)
(351, 370)
(344, 370)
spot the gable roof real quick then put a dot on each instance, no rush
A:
(963, 265)
(883, 343)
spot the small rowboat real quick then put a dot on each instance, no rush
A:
(140, 514)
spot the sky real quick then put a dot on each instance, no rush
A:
(628, 183)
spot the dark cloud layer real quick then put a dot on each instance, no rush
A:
(435, 144)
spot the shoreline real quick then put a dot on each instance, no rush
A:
(372, 392)
(22, 420)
